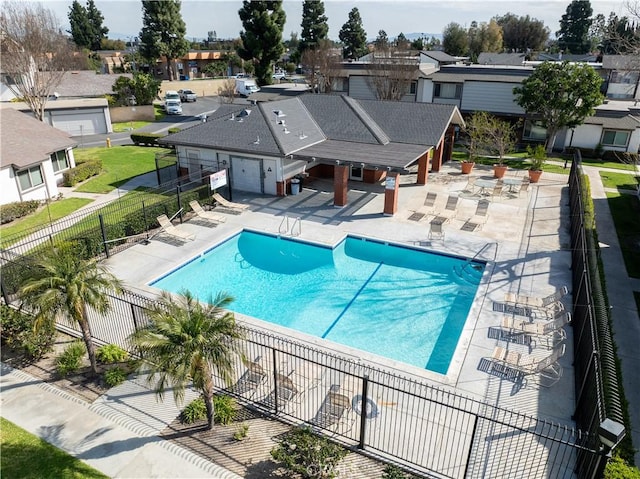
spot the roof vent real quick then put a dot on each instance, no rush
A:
(245, 112)
(286, 132)
(301, 135)
(281, 122)
(279, 113)
(257, 142)
(233, 116)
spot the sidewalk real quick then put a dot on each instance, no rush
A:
(117, 449)
(624, 314)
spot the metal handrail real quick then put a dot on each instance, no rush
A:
(298, 222)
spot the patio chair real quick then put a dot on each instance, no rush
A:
(479, 218)
(469, 191)
(283, 393)
(206, 215)
(549, 332)
(524, 187)
(171, 230)
(225, 203)
(333, 408)
(537, 302)
(251, 380)
(514, 365)
(496, 194)
(449, 210)
(430, 201)
(436, 230)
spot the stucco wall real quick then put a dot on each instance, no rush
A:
(200, 87)
(120, 114)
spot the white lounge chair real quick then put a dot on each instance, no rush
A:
(549, 332)
(206, 215)
(229, 204)
(168, 228)
(536, 302)
(510, 362)
(479, 218)
(435, 230)
(449, 210)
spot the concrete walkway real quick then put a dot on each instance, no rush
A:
(118, 445)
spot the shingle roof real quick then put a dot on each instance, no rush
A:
(620, 62)
(488, 58)
(439, 55)
(618, 122)
(381, 133)
(83, 83)
(481, 73)
(25, 141)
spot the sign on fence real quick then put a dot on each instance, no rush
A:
(218, 179)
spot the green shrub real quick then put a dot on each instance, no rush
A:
(621, 157)
(115, 376)
(224, 409)
(111, 353)
(69, 361)
(173, 130)
(147, 139)
(241, 432)
(617, 468)
(81, 172)
(311, 456)
(17, 332)
(17, 209)
(392, 471)
(194, 411)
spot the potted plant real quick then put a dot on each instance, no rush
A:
(537, 157)
(467, 166)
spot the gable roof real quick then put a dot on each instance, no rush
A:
(439, 56)
(25, 141)
(86, 83)
(335, 127)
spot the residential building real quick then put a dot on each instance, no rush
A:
(34, 157)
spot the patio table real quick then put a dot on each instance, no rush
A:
(485, 186)
(512, 183)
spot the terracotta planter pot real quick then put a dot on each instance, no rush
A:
(466, 167)
(499, 170)
(534, 175)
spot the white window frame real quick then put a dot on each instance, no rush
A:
(530, 125)
(616, 133)
(438, 87)
(28, 173)
(56, 160)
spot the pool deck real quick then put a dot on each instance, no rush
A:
(528, 253)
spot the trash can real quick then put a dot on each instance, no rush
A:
(295, 186)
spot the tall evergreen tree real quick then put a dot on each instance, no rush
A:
(263, 22)
(163, 32)
(573, 36)
(98, 30)
(455, 40)
(80, 25)
(353, 36)
(522, 34)
(314, 25)
(382, 41)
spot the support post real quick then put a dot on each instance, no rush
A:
(391, 188)
(104, 235)
(363, 411)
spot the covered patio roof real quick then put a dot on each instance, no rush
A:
(392, 156)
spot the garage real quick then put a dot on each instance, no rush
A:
(245, 174)
(79, 122)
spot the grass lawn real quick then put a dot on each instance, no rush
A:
(621, 181)
(128, 126)
(119, 163)
(57, 209)
(625, 210)
(607, 164)
(27, 456)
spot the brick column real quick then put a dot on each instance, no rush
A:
(340, 185)
(391, 188)
(423, 168)
(437, 157)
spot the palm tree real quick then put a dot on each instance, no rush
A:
(63, 283)
(188, 341)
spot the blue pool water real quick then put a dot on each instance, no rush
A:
(397, 302)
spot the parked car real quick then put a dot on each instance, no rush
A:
(173, 107)
(279, 76)
(187, 95)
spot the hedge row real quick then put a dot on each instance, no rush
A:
(147, 139)
(18, 209)
(81, 172)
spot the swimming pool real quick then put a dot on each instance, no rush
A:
(402, 303)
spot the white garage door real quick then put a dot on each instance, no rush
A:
(89, 122)
(246, 175)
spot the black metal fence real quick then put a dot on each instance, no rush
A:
(597, 392)
(404, 420)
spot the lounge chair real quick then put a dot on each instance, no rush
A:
(549, 332)
(537, 302)
(430, 201)
(479, 218)
(251, 380)
(229, 204)
(168, 228)
(206, 215)
(514, 365)
(435, 230)
(283, 393)
(449, 210)
(332, 409)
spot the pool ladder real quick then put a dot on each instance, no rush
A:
(469, 271)
(294, 230)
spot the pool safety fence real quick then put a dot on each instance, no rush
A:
(598, 395)
(385, 414)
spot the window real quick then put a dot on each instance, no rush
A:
(625, 77)
(447, 90)
(615, 138)
(413, 87)
(533, 130)
(59, 160)
(30, 178)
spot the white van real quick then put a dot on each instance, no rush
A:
(246, 87)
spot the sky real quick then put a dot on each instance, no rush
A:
(123, 18)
